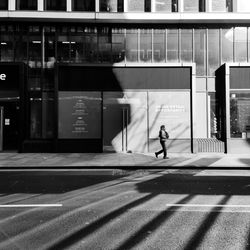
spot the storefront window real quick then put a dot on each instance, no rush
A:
(240, 44)
(221, 5)
(227, 45)
(104, 44)
(26, 4)
(48, 117)
(159, 45)
(200, 51)
(239, 113)
(213, 51)
(34, 79)
(4, 5)
(55, 5)
(193, 5)
(132, 45)
(172, 45)
(6, 44)
(76, 44)
(136, 5)
(86, 5)
(186, 45)
(21, 44)
(118, 45)
(35, 117)
(146, 45)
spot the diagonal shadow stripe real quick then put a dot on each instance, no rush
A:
(84, 232)
(141, 234)
(206, 224)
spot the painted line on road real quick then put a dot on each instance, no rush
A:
(31, 205)
(206, 205)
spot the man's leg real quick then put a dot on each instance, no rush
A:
(164, 149)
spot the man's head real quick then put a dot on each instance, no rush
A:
(162, 126)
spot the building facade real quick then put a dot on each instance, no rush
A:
(103, 75)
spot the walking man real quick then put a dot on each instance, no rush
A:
(163, 135)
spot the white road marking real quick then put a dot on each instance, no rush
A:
(207, 205)
(31, 205)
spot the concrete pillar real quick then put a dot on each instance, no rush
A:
(12, 5)
(69, 5)
(40, 5)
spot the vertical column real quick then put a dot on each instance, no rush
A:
(180, 6)
(69, 5)
(125, 4)
(12, 5)
(40, 5)
(97, 5)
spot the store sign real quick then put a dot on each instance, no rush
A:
(3, 77)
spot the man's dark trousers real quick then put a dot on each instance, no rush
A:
(164, 149)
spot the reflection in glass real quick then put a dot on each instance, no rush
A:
(146, 45)
(35, 117)
(35, 47)
(76, 45)
(240, 44)
(63, 45)
(159, 45)
(34, 79)
(26, 4)
(132, 45)
(108, 5)
(239, 113)
(190, 5)
(162, 5)
(83, 5)
(6, 44)
(200, 51)
(172, 45)
(118, 45)
(135, 5)
(186, 45)
(21, 44)
(227, 45)
(48, 119)
(213, 51)
(104, 44)
(49, 46)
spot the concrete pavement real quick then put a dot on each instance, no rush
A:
(86, 160)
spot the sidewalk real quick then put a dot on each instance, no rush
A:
(122, 160)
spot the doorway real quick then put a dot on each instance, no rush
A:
(9, 125)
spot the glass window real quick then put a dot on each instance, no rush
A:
(63, 45)
(55, 5)
(162, 5)
(239, 113)
(227, 45)
(243, 6)
(76, 45)
(90, 44)
(6, 44)
(186, 45)
(159, 45)
(193, 5)
(34, 79)
(214, 121)
(35, 47)
(240, 44)
(146, 45)
(4, 5)
(35, 117)
(132, 45)
(48, 79)
(221, 5)
(108, 5)
(104, 44)
(118, 45)
(21, 44)
(135, 5)
(213, 51)
(26, 4)
(200, 51)
(172, 45)
(49, 46)
(48, 120)
(83, 5)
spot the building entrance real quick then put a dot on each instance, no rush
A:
(125, 121)
(9, 125)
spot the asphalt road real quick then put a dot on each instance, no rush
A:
(160, 209)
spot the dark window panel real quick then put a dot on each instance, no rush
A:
(59, 5)
(26, 4)
(4, 5)
(83, 5)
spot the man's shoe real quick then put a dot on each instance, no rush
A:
(156, 155)
(165, 157)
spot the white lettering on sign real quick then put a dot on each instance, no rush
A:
(2, 77)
